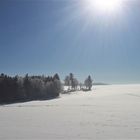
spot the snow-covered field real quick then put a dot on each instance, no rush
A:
(106, 112)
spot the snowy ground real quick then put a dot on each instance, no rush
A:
(106, 112)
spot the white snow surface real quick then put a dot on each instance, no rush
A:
(110, 112)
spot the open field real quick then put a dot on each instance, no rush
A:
(106, 112)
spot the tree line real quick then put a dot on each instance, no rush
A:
(17, 88)
(73, 83)
(26, 88)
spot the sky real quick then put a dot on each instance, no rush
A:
(63, 36)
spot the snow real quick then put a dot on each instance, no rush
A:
(106, 112)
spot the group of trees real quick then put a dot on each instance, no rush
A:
(28, 87)
(88, 83)
(73, 83)
(17, 88)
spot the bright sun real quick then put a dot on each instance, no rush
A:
(105, 5)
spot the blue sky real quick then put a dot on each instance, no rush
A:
(49, 36)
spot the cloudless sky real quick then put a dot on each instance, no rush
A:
(59, 36)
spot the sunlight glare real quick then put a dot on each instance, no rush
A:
(105, 5)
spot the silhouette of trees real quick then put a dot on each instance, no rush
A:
(37, 87)
(71, 82)
(56, 77)
(75, 83)
(67, 81)
(28, 87)
(8, 88)
(88, 83)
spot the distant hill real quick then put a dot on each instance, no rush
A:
(100, 83)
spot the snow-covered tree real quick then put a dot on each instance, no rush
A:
(67, 81)
(29, 87)
(88, 82)
(75, 83)
(71, 80)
